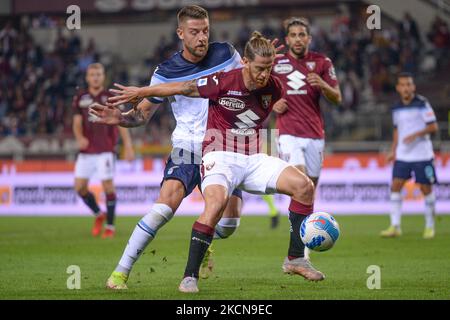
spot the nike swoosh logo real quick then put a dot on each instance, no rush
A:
(319, 220)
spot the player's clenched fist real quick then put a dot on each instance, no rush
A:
(280, 106)
(105, 114)
(82, 143)
(315, 80)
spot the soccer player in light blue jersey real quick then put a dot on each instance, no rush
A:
(412, 150)
(198, 58)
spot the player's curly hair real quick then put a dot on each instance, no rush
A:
(258, 45)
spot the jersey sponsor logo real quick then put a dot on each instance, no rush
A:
(234, 93)
(232, 104)
(296, 82)
(85, 101)
(283, 61)
(202, 82)
(248, 119)
(311, 65)
(332, 73)
(92, 118)
(266, 100)
(283, 68)
(243, 131)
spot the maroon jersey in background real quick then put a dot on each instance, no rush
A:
(303, 117)
(102, 137)
(235, 111)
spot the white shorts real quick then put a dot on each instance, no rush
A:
(302, 151)
(100, 164)
(257, 173)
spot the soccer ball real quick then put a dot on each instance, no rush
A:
(319, 231)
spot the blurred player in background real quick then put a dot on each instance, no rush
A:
(273, 212)
(97, 143)
(239, 102)
(182, 173)
(412, 149)
(306, 76)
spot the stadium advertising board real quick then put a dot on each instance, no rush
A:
(348, 189)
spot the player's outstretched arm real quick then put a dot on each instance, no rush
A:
(110, 114)
(124, 94)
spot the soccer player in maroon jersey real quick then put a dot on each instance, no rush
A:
(239, 102)
(96, 143)
(306, 76)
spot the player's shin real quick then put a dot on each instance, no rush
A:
(143, 234)
(430, 203)
(110, 209)
(201, 238)
(89, 200)
(297, 213)
(396, 207)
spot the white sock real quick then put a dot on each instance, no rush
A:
(396, 208)
(430, 202)
(226, 227)
(143, 234)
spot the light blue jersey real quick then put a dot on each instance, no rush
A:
(191, 114)
(409, 119)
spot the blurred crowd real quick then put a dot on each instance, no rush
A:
(37, 85)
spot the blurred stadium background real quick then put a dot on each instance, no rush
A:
(42, 63)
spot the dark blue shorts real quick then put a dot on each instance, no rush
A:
(424, 171)
(187, 171)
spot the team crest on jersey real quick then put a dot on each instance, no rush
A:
(311, 65)
(85, 101)
(266, 100)
(283, 68)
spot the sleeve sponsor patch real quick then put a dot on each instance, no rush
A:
(332, 73)
(202, 82)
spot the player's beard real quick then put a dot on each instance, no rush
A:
(197, 51)
(96, 86)
(299, 53)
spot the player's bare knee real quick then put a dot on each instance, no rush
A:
(172, 196)
(108, 187)
(81, 190)
(216, 205)
(304, 190)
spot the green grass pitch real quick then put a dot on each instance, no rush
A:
(36, 251)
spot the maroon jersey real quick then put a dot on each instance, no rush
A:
(102, 137)
(236, 114)
(303, 117)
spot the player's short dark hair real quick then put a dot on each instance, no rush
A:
(296, 21)
(258, 45)
(191, 12)
(95, 65)
(405, 75)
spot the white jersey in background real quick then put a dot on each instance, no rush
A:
(409, 119)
